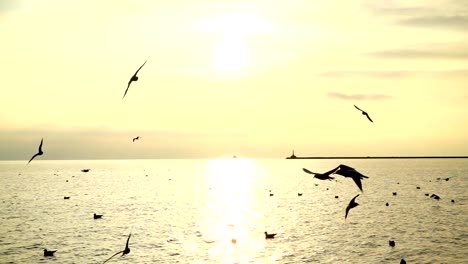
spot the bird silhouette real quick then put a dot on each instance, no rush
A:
(269, 236)
(351, 205)
(137, 138)
(38, 153)
(322, 176)
(133, 79)
(350, 172)
(96, 216)
(124, 252)
(391, 243)
(402, 261)
(49, 253)
(364, 113)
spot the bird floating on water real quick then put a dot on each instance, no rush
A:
(85, 170)
(364, 113)
(96, 216)
(133, 79)
(124, 252)
(269, 236)
(49, 253)
(39, 151)
(351, 205)
(391, 243)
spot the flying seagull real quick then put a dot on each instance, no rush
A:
(364, 113)
(322, 176)
(351, 205)
(38, 153)
(137, 138)
(124, 252)
(350, 172)
(133, 79)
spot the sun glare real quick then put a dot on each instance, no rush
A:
(231, 50)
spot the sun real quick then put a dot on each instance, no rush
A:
(231, 54)
(231, 51)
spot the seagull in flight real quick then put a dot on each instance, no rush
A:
(351, 205)
(137, 138)
(350, 172)
(124, 252)
(133, 79)
(322, 176)
(364, 113)
(38, 153)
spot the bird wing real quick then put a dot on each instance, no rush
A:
(358, 108)
(352, 200)
(332, 171)
(113, 256)
(128, 86)
(368, 117)
(139, 69)
(40, 145)
(308, 171)
(357, 180)
(33, 157)
(128, 239)
(349, 205)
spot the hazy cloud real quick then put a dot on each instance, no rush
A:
(446, 14)
(455, 53)
(463, 73)
(359, 97)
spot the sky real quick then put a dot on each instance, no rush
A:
(223, 78)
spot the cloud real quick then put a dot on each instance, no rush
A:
(358, 97)
(452, 15)
(389, 74)
(424, 53)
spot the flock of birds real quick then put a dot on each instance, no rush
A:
(343, 170)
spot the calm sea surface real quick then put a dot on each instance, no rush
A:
(216, 211)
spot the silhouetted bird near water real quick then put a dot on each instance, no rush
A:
(269, 236)
(391, 243)
(364, 113)
(351, 205)
(350, 172)
(96, 216)
(322, 176)
(124, 252)
(84, 170)
(137, 138)
(402, 261)
(49, 253)
(133, 79)
(38, 153)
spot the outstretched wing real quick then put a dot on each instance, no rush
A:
(358, 108)
(368, 117)
(357, 180)
(40, 145)
(113, 256)
(33, 157)
(139, 69)
(128, 86)
(308, 171)
(128, 239)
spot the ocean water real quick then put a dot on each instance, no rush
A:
(216, 211)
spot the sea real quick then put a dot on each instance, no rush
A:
(217, 210)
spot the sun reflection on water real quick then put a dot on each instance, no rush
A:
(228, 213)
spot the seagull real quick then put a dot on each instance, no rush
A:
(269, 236)
(49, 253)
(322, 176)
(38, 153)
(124, 252)
(133, 79)
(391, 243)
(96, 216)
(137, 138)
(364, 113)
(350, 172)
(351, 205)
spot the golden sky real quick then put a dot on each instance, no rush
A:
(222, 78)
